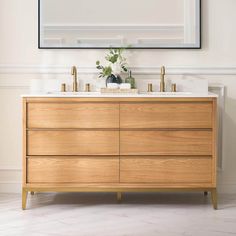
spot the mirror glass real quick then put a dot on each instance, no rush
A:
(123, 23)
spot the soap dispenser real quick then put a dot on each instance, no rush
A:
(130, 80)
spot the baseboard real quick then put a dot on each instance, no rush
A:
(10, 187)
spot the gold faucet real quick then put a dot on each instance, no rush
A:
(162, 84)
(75, 83)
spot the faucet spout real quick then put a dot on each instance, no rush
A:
(162, 84)
(75, 82)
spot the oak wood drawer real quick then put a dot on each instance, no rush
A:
(72, 142)
(169, 170)
(166, 115)
(73, 115)
(73, 169)
(166, 142)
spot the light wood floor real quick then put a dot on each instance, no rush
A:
(89, 214)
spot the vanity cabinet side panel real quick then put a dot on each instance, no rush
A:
(214, 142)
(24, 142)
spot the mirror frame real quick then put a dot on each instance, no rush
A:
(194, 47)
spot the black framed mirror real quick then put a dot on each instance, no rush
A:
(125, 23)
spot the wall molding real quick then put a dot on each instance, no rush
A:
(10, 169)
(138, 70)
(10, 187)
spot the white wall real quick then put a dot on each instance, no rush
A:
(20, 61)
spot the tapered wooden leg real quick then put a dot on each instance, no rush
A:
(205, 193)
(24, 198)
(214, 198)
(119, 196)
(32, 193)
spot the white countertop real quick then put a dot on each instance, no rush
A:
(98, 94)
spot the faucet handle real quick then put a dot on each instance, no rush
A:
(63, 87)
(173, 88)
(163, 70)
(87, 88)
(150, 88)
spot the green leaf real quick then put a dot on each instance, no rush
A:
(114, 56)
(125, 69)
(114, 59)
(107, 71)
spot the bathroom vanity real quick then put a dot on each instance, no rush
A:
(102, 143)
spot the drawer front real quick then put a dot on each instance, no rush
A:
(166, 115)
(73, 143)
(73, 115)
(166, 143)
(73, 170)
(169, 170)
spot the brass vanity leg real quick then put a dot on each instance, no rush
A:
(205, 193)
(32, 193)
(214, 198)
(24, 198)
(119, 196)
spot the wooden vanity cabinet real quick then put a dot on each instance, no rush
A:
(119, 145)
